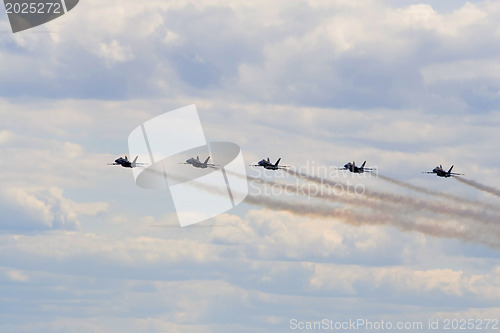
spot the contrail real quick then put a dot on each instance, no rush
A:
(438, 194)
(410, 203)
(479, 186)
(295, 207)
(487, 235)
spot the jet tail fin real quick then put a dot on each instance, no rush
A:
(277, 162)
(363, 165)
(451, 169)
(206, 161)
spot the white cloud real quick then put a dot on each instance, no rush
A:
(46, 208)
(171, 38)
(5, 137)
(114, 52)
(17, 276)
(347, 279)
(266, 265)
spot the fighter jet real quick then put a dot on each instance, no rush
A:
(442, 173)
(124, 162)
(199, 164)
(266, 164)
(356, 169)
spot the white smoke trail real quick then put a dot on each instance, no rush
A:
(489, 236)
(447, 196)
(411, 204)
(379, 214)
(479, 186)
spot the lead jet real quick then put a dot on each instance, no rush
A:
(442, 173)
(356, 169)
(126, 163)
(199, 164)
(266, 164)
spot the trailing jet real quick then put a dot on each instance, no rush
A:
(266, 164)
(199, 164)
(124, 162)
(356, 169)
(442, 173)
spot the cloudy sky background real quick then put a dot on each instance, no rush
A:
(404, 85)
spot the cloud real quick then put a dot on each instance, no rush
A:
(342, 55)
(113, 52)
(35, 161)
(401, 280)
(404, 86)
(44, 209)
(17, 276)
(287, 266)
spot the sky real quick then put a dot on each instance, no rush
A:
(404, 85)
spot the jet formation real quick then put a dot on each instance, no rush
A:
(268, 165)
(352, 167)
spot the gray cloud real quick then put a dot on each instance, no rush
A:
(335, 55)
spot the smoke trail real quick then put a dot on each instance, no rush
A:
(488, 236)
(438, 194)
(479, 186)
(380, 214)
(295, 207)
(412, 204)
(383, 215)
